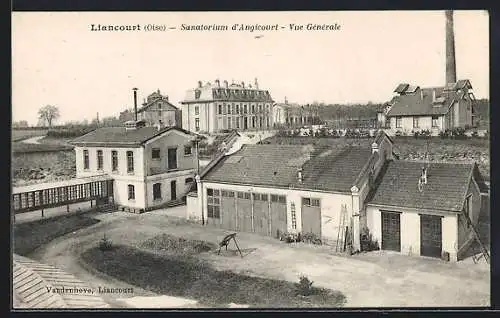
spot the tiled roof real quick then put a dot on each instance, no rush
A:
(277, 166)
(447, 185)
(31, 281)
(119, 136)
(425, 104)
(212, 92)
(166, 106)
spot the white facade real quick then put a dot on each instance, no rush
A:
(146, 170)
(410, 229)
(407, 125)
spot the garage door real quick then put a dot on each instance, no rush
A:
(391, 231)
(244, 206)
(278, 215)
(228, 210)
(311, 220)
(430, 235)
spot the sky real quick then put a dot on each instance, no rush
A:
(58, 60)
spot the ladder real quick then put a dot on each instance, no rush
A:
(484, 251)
(342, 229)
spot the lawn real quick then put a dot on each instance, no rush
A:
(30, 236)
(20, 147)
(170, 266)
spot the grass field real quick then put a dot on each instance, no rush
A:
(19, 134)
(410, 148)
(176, 271)
(30, 236)
(20, 147)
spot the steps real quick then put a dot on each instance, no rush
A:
(107, 208)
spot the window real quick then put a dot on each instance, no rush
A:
(197, 124)
(237, 123)
(253, 109)
(228, 194)
(435, 121)
(263, 197)
(196, 110)
(159, 106)
(85, 159)
(278, 198)
(188, 181)
(256, 196)
(130, 162)
(229, 123)
(224, 109)
(187, 151)
(294, 216)
(155, 153)
(467, 207)
(114, 160)
(415, 122)
(213, 204)
(157, 191)
(99, 160)
(398, 122)
(131, 192)
(244, 109)
(260, 108)
(220, 109)
(237, 109)
(172, 158)
(228, 109)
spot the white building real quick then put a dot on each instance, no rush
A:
(150, 165)
(214, 107)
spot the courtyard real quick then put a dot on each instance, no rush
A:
(375, 279)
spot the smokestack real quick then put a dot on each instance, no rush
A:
(451, 71)
(135, 103)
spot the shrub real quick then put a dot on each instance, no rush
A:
(416, 134)
(398, 133)
(459, 133)
(289, 237)
(304, 286)
(367, 242)
(105, 244)
(475, 134)
(310, 238)
(425, 133)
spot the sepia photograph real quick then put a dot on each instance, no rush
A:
(250, 160)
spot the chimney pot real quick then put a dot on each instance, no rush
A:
(374, 147)
(226, 84)
(256, 83)
(199, 84)
(299, 175)
(243, 84)
(424, 175)
(217, 82)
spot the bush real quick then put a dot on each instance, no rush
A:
(398, 133)
(459, 133)
(304, 286)
(105, 244)
(310, 238)
(289, 237)
(367, 242)
(475, 134)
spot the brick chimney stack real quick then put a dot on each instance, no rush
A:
(135, 103)
(451, 71)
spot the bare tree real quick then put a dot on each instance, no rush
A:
(48, 114)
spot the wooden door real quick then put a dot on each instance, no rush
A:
(430, 235)
(391, 231)
(311, 220)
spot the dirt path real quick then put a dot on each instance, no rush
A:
(33, 140)
(374, 279)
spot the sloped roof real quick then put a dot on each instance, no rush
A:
(120, 136)
(166, 106)
(212, 92)
(277, 166)
(31, 281)
(424, 102)
(447, 185)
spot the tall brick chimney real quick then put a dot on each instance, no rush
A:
(135, 103)
(451, 70)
